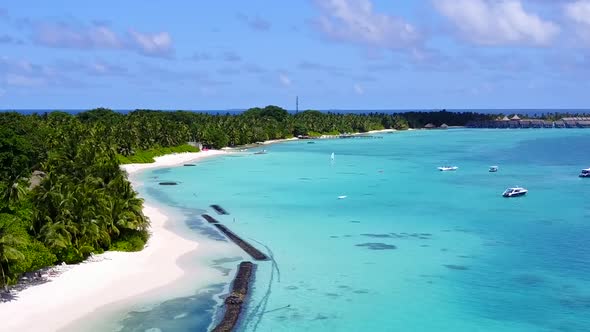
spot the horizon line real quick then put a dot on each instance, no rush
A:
(318, 109)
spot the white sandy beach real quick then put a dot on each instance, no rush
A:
(118, 275)
(273, 141)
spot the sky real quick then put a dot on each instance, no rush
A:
(333, 54)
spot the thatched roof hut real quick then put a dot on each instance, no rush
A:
(444, 126)
(515, 117)
(430, 126)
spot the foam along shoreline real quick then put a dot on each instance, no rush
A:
(109, 277)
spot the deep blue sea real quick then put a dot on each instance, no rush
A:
(410, 248)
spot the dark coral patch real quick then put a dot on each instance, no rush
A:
(378, 235)
(377, 246)
(529, 279)
(456, 267)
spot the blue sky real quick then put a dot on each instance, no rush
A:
(333, 54)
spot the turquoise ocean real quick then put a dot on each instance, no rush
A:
(410, 248)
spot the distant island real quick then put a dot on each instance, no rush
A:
(63, 195)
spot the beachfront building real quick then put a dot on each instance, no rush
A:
(577, 122)
(516, 122)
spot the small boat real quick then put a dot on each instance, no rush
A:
(515, 192)
(447, 168)
(311, 142)
(585, 173)
(260, 152)
(493, 169)
(342, 197)
(332, 156)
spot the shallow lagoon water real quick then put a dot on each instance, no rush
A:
(410, 248)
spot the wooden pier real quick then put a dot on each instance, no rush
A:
(219, 209)
(235, 300)
(210, 219)
(247, 247)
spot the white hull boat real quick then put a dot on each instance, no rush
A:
(514, 192)
(447, 168)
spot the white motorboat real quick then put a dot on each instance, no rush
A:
(447, 168)
(585, 173)
(493, 169)
(515, 192)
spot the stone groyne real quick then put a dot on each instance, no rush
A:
(236, 298)
(247, 247)
(219, 209)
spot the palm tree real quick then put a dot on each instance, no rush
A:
(13, 193)
(9, 241)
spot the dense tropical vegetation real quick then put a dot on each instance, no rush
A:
(63, 195)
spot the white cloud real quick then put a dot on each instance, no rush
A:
(284, 79)
(355, 21)
(158, 44)
(501, 22)
(579, 11)
(358, 89)
(99, 36)
(67, 36)
(22, 73)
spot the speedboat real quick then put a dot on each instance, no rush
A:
(585, 173)
(515, 192)
(447, 168)
(493, 169)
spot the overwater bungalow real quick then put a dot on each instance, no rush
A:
(531, 123)
(429, 126)
(570, 123)
(525, 123)
(515, 122)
